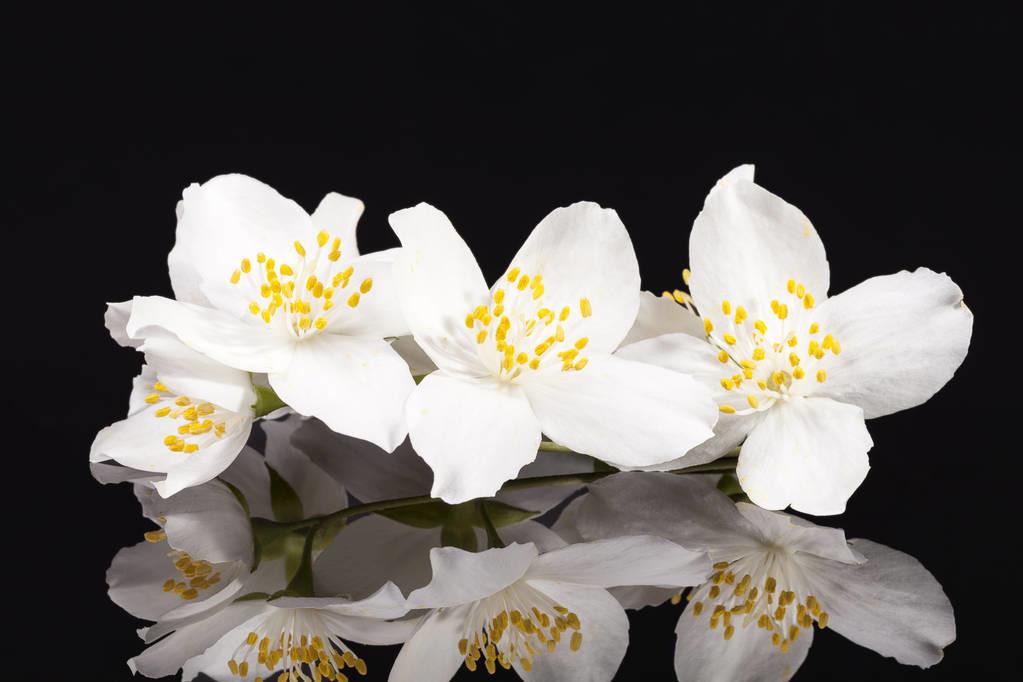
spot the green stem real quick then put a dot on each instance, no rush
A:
(493, 539)
(717, 467)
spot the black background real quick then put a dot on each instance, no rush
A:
(890, 130)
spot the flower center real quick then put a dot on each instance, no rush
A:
(758, 596)
(297, 643)
(304, 292)
(192, 576)
(767, 360)
(518, 623)
(527, 334)
(200, 423)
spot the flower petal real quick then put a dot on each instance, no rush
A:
(747, 243)
(217, 335)
(372, 551)
(431, 655)
(136, 577)
(379, 312)
(628, 560)
(623, 412)
(807, 453)
(367, 472)
(696, 358)
(138, 442)
(170, 654)
(662, 315)
(704, 654)
(187, 372)
(799, 535)
(319, 494)
(356, 386)
(688, 510)
(584, 251)
(903, 336)
(339, 215)
(543, 498)
(460, 577)
(440, 283)
(890, 604)
(605, 637)
(475, 435)
(115, 319)
(225, 219)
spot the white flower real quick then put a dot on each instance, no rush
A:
(188, 416)
(260, 640)
(374, 549)
(775, 577)
(264, 287)
(532, 354)
(796, 373)
(202, 555)
(548, 614)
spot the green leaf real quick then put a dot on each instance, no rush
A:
(729, 485)
(326, 532)
(267, 401)
(283, 499)
(301, 584)
(239, 495)
(254, 596)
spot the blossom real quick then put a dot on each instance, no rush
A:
(538, 605)
(188, 416)
(533, 353)
(396, 547)
(795, 373)
(775, 577)
(264, 287)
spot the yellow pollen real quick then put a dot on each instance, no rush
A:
(584, 307)
(791, 286)
(761, 326)
(513, 274)
(798, 373)
(822, 376)
(686, 275)
(366, 285)
(726, 307)
(808, 302)
(353, 300)
(723, 357)
(299, 248)
(708, 326)
(727, 384)
(814, 328)
(752, 400)
(727, 409)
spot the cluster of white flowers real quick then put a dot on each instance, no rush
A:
(491, 475)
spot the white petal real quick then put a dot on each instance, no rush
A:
(379, 312)
(431, 655)
(137, 442)
(545, 539)
(372, 631)
(218, 335)
(584, 251)
(116, 320)
(902, 337)
(799, 535)
(319, 494)
(339, 215)
(807, 453)
(696, 358)
(704, 654)
(206, 521)
(623, 412)
(248, 474)
(605, 637)
(367, 472)
(136, 577)
(187, 372)
(662, 315)
(629, 560)
(685, 509)
(475, 435)
(386, 603)
(168, 655)
(356, 386)
(371, 551)
(224, 220)
(460, 577)
(440, 283)
(747, 243)
(890, 604)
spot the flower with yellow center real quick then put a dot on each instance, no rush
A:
(532, 353)
(544, 614)
(775, 579)
(793, 372)
(189, 417)
(264, 287)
